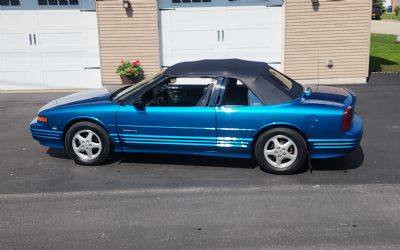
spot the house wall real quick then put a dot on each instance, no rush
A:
(337, 30)
(128, 35)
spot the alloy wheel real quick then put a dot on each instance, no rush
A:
(86, 144)
(280, 151)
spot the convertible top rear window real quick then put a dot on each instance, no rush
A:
(280, 79)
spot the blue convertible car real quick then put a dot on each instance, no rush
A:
(229, 108)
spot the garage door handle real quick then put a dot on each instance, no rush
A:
(218, 35)
(34, 38)
(163, 9)
(30, 39)
(92, 67)
(223, 35)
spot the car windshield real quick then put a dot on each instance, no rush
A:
(125, 92)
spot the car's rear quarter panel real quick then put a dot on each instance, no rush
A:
(238, 127)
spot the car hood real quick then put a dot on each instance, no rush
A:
(331, 96)
(88, 96)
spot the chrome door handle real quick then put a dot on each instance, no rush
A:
(34, 38)
(30, 38)
(218, 35)
(223, 35)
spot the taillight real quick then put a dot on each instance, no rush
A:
(347, 118)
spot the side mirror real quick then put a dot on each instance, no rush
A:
(139, 104)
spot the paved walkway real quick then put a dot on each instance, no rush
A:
(385, 27)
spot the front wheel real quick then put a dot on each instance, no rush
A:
(281, 151)
(87, 143)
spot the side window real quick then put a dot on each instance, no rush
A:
(236, 93)
(180, 92)
(253, 99)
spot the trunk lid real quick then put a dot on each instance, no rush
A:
(331, 96)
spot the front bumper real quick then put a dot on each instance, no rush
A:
(46, 136)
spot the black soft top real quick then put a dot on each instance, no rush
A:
(254, 75)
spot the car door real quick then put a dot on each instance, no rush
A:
(239, 115)
(159, 128)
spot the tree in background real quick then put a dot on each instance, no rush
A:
(380, 4)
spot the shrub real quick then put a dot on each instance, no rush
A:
(380, 4)
(128, 68)
(390, 68)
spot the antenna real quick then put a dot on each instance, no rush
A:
(317, 68)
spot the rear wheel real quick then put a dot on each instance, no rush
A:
(87, 143)
(281, 151)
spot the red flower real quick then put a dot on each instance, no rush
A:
(137, 62)
(122, 62)
(134, 64)
(130, 70)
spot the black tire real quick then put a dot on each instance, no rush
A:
(298, 161)
(101, 135)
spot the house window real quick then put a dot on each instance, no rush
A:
(58, 2)
(10, 3)
(191, 1)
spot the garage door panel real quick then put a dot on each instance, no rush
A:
(63, 58)
(194, 38)
(254, 16)
(252, 36)
(11, 20)
(261, 54)
(58, 44)
(254, 33)
(59, 19)
(191, 55)
(57, 39)
(66, 19)
(192, 18)
(16, 58)
(187, 35)
(88, 78)
(18, 79)
(245, 32)
(14, 39)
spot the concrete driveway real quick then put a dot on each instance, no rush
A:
(385, 27)
(183, 202)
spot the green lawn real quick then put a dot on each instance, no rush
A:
(391, 16)
(385, 53)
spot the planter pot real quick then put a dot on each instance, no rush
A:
(131, 79)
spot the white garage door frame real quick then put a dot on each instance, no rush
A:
(265, 16)
(49, 46)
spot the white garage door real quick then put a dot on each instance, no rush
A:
(216, 29)
(48, 44)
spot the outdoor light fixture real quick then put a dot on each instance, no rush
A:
(126, 4)
(315, 5)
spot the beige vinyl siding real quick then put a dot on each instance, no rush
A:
(338, 30)
(128, 37)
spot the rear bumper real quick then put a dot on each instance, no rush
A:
(329, 148)
(46, 136)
